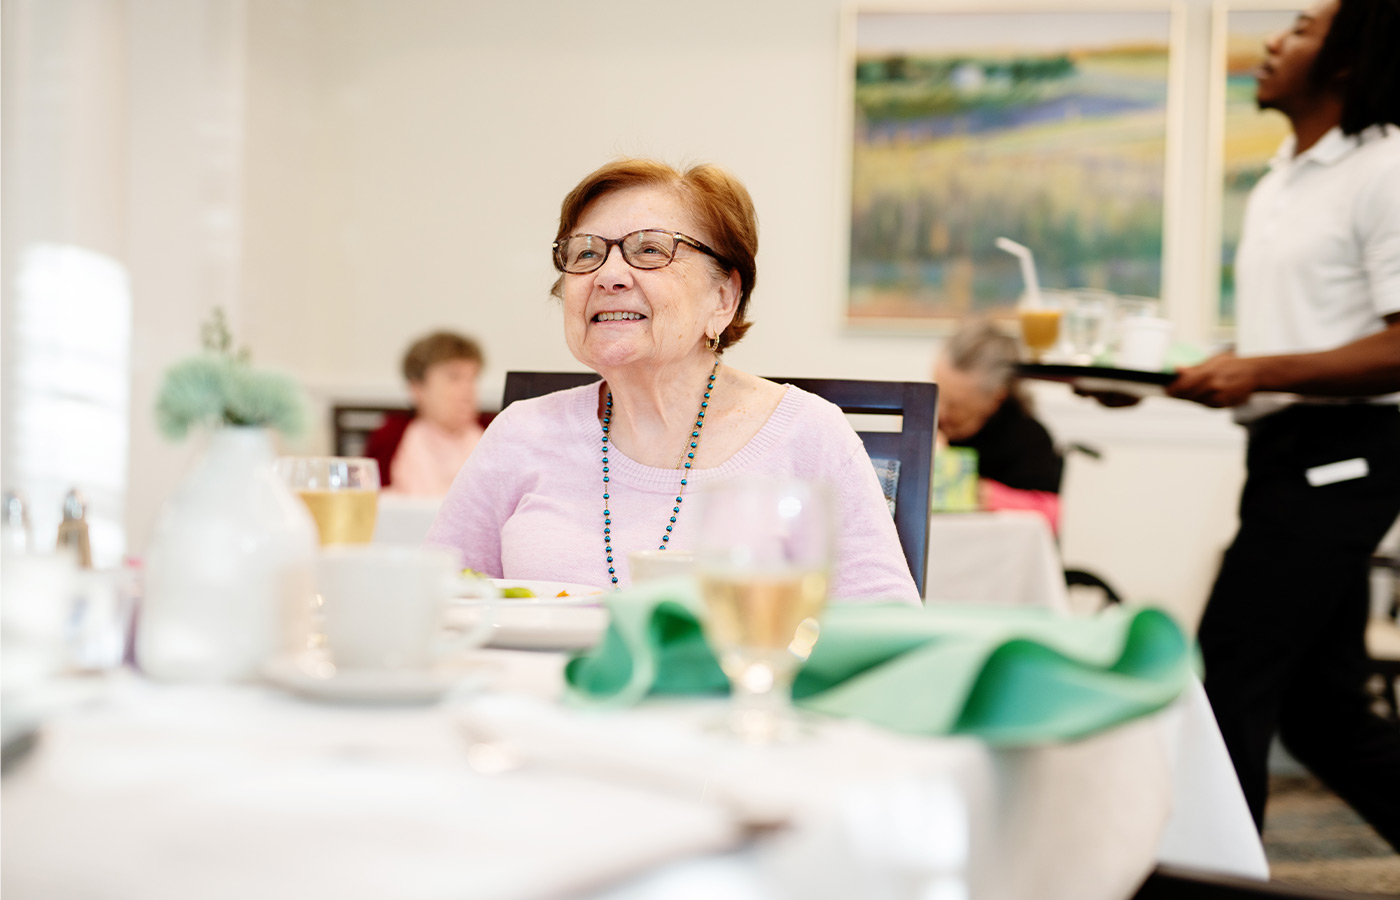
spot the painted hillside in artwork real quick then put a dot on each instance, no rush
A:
(1057, 144)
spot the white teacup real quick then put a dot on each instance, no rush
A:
(384, 606)
(1143, 343)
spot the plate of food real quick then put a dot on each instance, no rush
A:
(538, 615)
(525, 589)
(535, 590)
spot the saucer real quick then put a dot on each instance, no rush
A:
(379, 686)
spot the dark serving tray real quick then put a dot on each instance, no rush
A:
(1138, 382)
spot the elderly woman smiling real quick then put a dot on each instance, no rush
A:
(657, 269)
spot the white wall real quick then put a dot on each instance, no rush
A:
(1153, 515)
(405, 162)
(346, 174)
(66, 304)
(184, 147)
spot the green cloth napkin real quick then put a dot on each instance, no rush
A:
(1011, 676)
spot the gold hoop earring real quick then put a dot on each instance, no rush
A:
(712, 343)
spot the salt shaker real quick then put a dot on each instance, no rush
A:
(73, 530)
(15, 534)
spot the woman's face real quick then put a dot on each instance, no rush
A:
(964, 404)
(619, 317)
(447, 394)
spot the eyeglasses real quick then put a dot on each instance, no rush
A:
(648, 249)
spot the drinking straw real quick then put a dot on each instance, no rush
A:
(1023, 254)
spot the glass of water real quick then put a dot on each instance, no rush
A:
(1087, 319)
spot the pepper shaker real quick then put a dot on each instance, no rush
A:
(73, 530)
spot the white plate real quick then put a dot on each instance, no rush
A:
(538, 624)
(549, 628)
(369, 686)
(545, 621)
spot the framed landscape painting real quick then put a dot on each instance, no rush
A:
(1247, 137)
(1049, 128)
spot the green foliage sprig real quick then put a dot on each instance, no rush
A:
(220, 387)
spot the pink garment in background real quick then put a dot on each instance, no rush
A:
(529, 502)
(428, 458)
(997, 496)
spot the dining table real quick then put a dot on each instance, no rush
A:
(501, 788)
(501, 784)
(994, 558)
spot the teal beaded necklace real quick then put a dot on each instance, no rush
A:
(688, 459)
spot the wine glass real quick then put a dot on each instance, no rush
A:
(342, 493)
(762, 559)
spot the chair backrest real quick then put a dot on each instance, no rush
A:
(375, 430)
(353, 423)
(912, 446)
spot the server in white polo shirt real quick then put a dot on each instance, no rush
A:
(1316, 380)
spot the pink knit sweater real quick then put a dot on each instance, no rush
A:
(529, 502)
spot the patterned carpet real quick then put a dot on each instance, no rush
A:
(1313, 839)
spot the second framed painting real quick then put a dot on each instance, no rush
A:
(1245, 138)
(1048, 128)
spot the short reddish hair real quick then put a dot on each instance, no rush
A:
(719, 201)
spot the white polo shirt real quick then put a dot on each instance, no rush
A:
(1318, 264)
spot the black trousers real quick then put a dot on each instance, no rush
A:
(1283, 635)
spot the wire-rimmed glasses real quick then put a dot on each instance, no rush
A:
(650, 248)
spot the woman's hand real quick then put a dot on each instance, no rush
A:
(1224, 380)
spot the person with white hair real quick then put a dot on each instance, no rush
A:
(981, 406)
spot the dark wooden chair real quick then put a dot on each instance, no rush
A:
(911, 447)
(353, 423)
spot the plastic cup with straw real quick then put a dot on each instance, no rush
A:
(1040, 322)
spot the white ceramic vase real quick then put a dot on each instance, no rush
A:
(230, 574)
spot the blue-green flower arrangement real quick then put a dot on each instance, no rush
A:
(220, 387)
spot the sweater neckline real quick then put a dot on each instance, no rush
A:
(587, 428)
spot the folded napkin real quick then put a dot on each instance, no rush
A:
(1009, 676)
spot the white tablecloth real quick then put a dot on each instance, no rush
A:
(994, 558)
(177, 792)
(404, 520)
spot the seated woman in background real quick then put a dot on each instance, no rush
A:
(441, 371)
(656, 271)
(980, 406)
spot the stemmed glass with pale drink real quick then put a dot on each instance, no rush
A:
(762, 559)
(342, 493)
